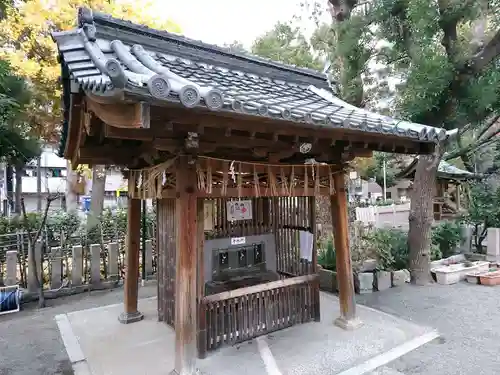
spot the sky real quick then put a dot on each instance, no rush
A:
(225, 21)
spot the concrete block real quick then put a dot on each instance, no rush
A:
(348, 325)
(383, 280)
(11, 265)
(365, 282)
(493, 245)
(95, 264)
(77, 266)
(466, 242)
(400, 277)
(149, 258)
(56, 268)
(369, 265)
(113, 251)
(327, 280)
(128, 318)
(32, 286)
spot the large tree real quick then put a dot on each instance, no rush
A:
(287, 44)
(442, 59)
(443, 52)
(17, 145)
(25, 39)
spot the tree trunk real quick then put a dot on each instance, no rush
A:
(19, 188)
(98, 190)
(421, 218)
(9, 187)
(71, 183)
(96, 198)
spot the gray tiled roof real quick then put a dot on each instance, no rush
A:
(104, 55)
(445, 170)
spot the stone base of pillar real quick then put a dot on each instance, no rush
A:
(348, 325)
(127, 318)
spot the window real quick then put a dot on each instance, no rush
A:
(388, 195)
(55, 172)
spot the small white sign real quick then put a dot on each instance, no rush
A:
(239, 210)
(238, 241)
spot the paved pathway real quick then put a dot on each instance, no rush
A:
(467, 316)
(30, 343)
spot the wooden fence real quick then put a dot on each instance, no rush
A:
(68, 267)
(242, 314)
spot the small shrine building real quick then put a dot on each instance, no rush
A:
(450, 200)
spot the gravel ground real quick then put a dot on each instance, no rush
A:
(30, 343)
(467, 317)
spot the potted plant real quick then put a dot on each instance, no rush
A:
(327, 266)
(383, 274)
(382, 241)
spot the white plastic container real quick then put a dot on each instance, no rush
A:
(454, 273)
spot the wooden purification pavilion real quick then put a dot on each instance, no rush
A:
(234, 149)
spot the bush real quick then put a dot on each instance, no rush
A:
(391, 248)
(69, 228)
(326, 255)
(382, 241)
(447, 237)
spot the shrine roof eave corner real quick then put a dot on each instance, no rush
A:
(194, 75)
(446, 171)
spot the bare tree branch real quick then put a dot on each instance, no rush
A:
(482, 59)
(465, 151)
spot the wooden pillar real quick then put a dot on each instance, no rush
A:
(314, 229)
(186, 260)
(347, 318)
(131, 289)
(202, 316)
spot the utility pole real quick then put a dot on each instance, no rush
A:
(39, 183)
(144, 231)
(385, 180)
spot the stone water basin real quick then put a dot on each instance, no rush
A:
(454, 273)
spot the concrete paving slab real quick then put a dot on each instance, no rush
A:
(147, 347)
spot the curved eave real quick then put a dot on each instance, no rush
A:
(109, 66)
(459, 175)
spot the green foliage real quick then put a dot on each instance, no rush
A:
(68, 228)
(484, 205)
(16, 145)
(447, 236)
(288, 45)
(326, 255)
(483, 211)
(12, 224)
(391, 249)
(381, 241)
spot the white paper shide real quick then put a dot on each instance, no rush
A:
(306, 245)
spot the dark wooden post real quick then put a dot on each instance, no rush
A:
(202, 315)
(312, 218)
(185, 276)
(131, 314)
(347, 318)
